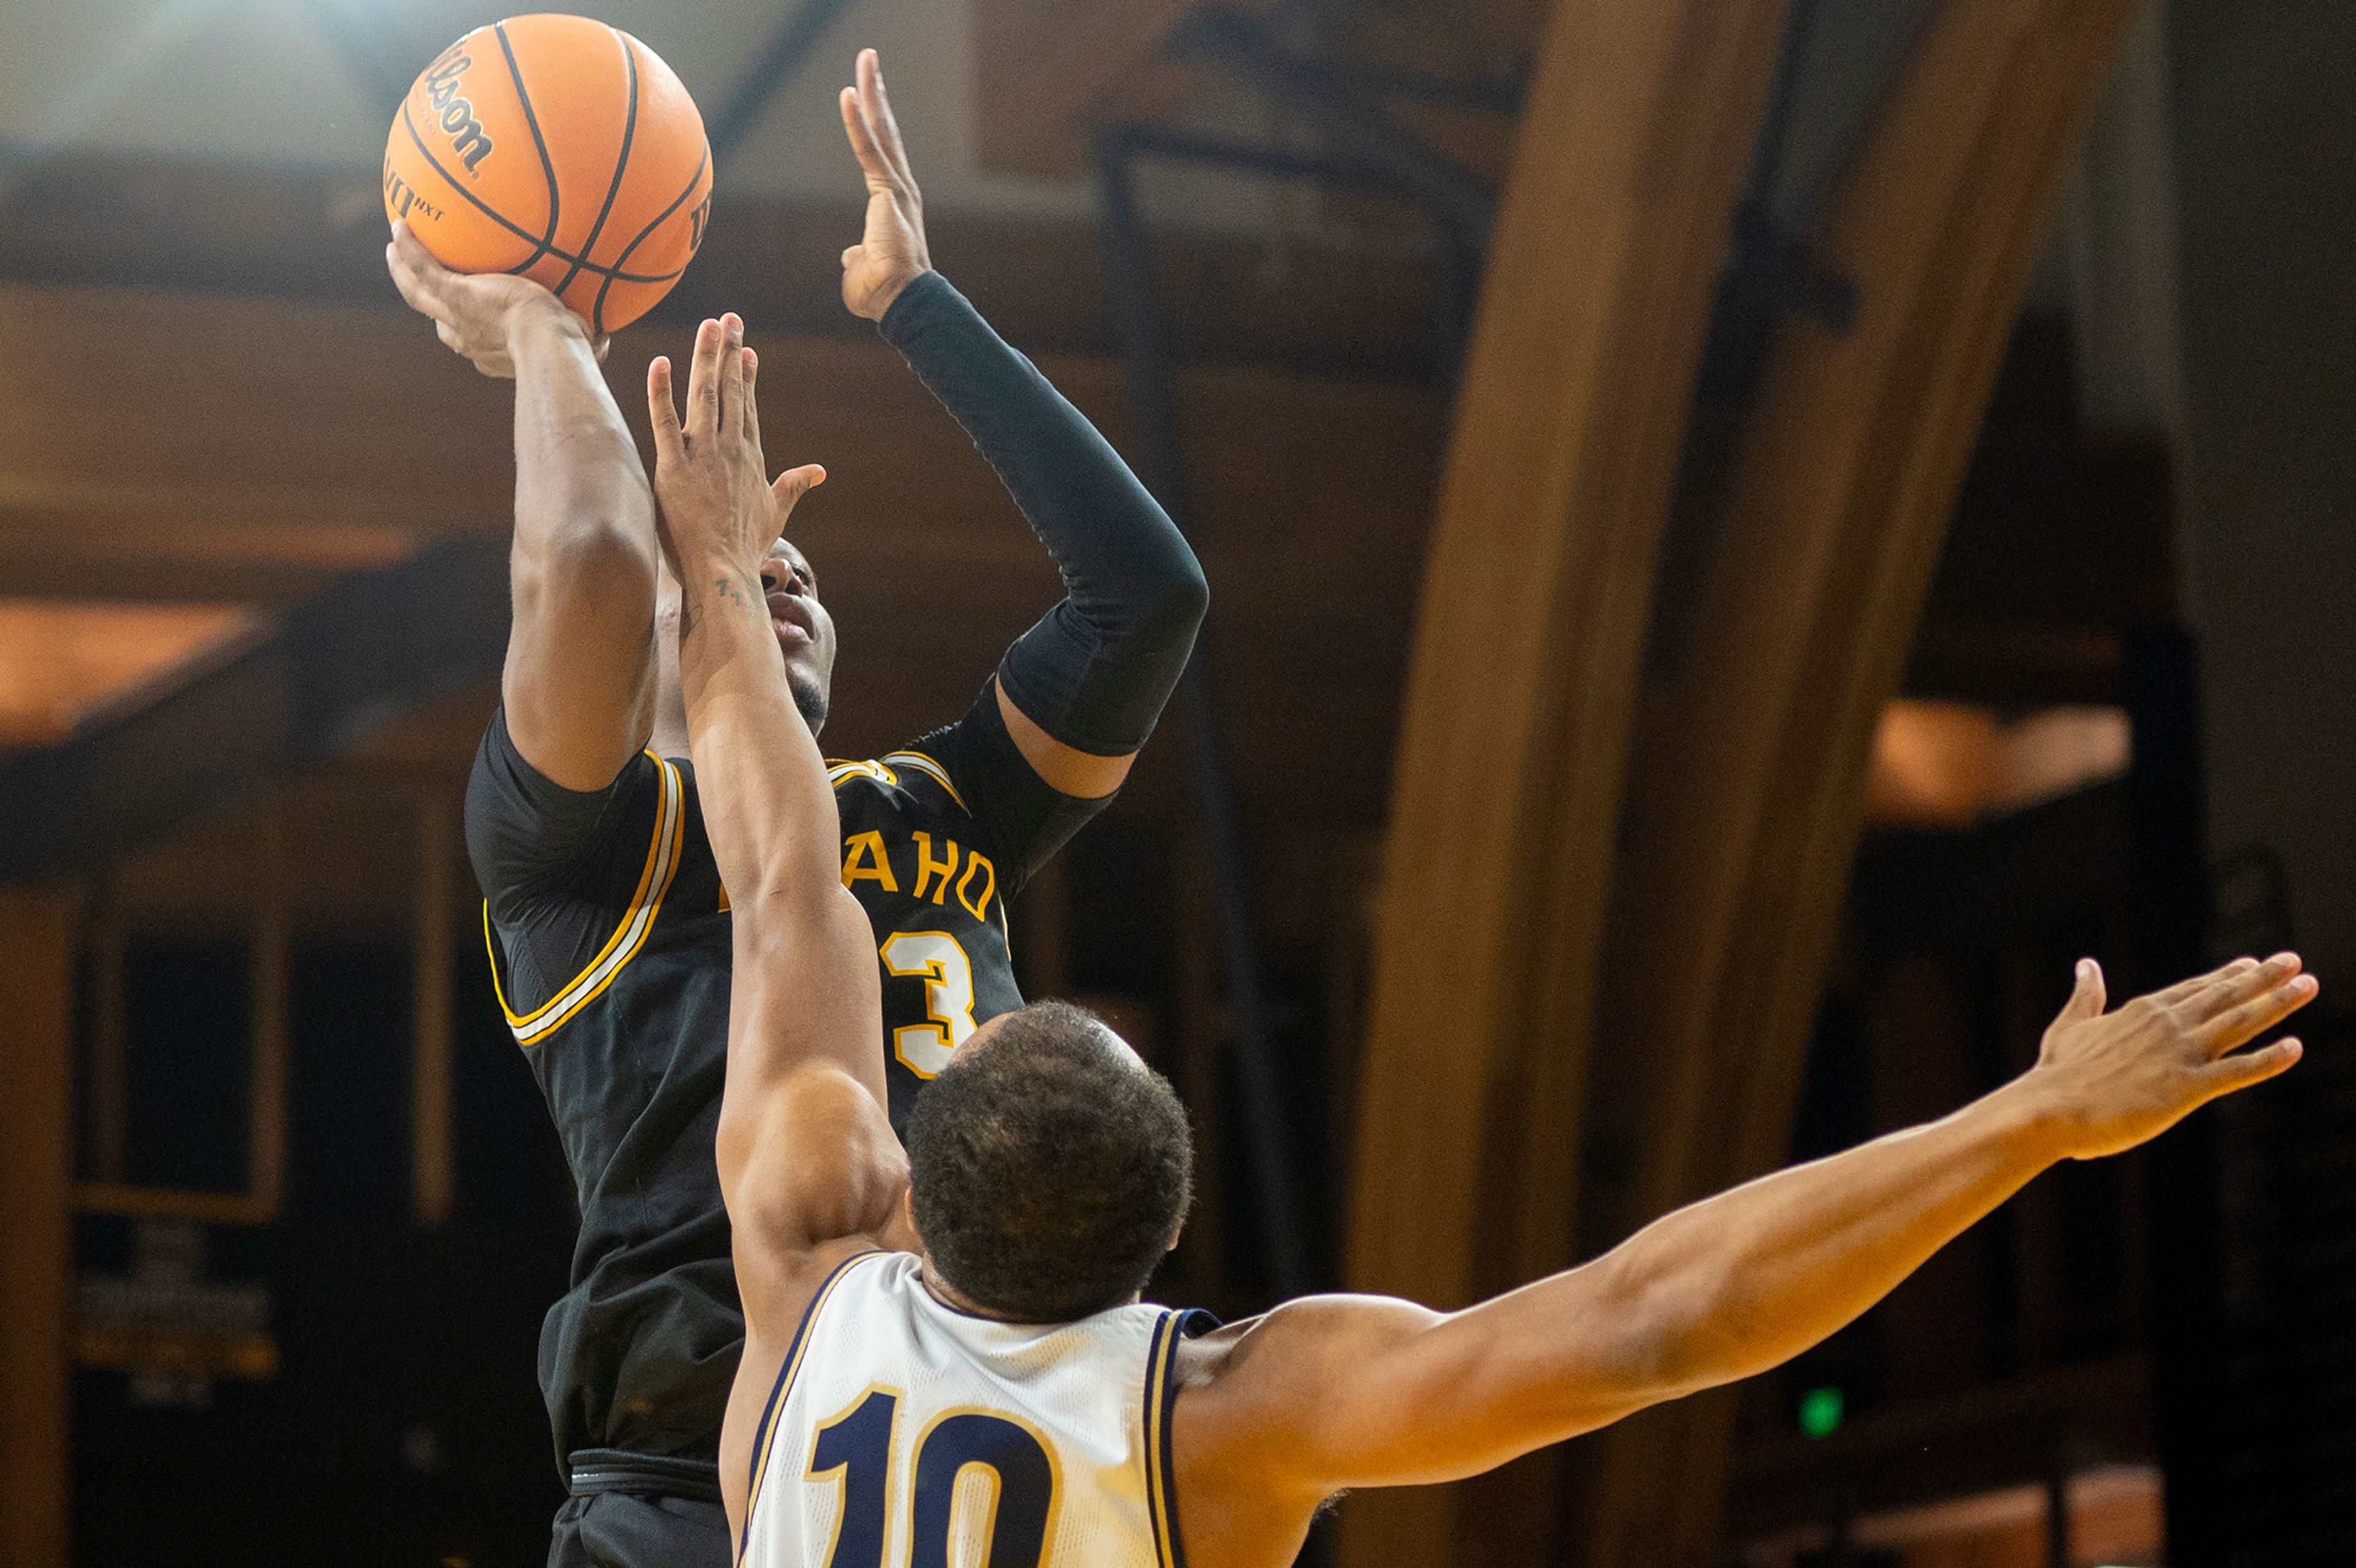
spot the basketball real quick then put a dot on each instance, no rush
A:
(560, 149)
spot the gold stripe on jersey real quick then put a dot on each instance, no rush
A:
(931, 770)
(767, 1432)
(1161, 1365)
(880, 770)
(654, 883)
(838, 772)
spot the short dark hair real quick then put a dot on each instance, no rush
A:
(1049, 1170)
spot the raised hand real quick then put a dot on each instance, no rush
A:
(2111, 1081)
(476, 313)
(891, 255)
(716, 509)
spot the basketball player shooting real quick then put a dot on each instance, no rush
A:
(607, 917)
(945, 1358)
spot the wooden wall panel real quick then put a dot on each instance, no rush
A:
(1631, 152)
(37, 970)
(171, 408)
(1045, 70)
(1746, 786)
(386, 441)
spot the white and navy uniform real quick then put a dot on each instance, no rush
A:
(902, 1431)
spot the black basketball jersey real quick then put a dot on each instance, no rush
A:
(609, 939)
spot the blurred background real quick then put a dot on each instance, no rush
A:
(1745, 535)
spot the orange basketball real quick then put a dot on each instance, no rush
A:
(560, 149)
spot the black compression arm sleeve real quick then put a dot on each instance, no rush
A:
(1095, 670)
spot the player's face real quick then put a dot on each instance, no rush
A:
(805, 631)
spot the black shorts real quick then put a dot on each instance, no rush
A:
(640, 1529)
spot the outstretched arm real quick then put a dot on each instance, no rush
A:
(1343, 1392)
(579, 682)
(806, 1154)
(1079, 692)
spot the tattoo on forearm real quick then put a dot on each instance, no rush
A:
(729, 591)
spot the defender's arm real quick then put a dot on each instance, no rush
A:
(806, 1154)
(578, 687)
(1080, 691)
(1343, 1392)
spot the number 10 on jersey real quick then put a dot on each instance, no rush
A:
(999, 1469)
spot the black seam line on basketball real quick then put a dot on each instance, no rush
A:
(547, 166)
(523, 234)
(621, 160)
(597, 308)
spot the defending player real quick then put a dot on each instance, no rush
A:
(944, 1357)
(607, 919)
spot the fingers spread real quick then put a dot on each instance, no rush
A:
(794, 483)
(415, 271)
(2236, 1073)
(863, 145)
(703, 383)
(2241, 1024)
(2184, 990)
(2238, 984)
(752, 407)
(732, 375)
(413, 254)
(662, 412)
(414, 290)
(2087, 998)
(878, 104)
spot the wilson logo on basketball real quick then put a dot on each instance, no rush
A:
(468, 137)
(400, 200)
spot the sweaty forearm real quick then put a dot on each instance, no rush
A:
(802, 985)
(578, 478)
(767, 803)
(580, 669)
(1094, 672)
(1748, 1279)
(1720, 1290)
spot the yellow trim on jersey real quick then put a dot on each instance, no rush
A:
(880, 770)
(932, 770)
(1161, 1504)
(645, 902)
(837, 772)
(767, 1435)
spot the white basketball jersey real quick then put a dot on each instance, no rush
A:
(904, 1433)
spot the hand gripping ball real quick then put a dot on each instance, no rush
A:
(560, 149)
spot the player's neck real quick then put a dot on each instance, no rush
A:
(956, 1300)
(953, 1298)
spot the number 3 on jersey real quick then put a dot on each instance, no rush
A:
(1007, 1521)
(934, 957)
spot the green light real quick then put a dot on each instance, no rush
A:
(1821, 1410)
